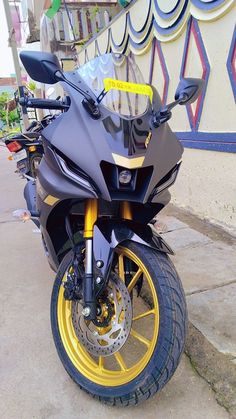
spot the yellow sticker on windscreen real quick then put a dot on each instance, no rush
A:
(141, 89)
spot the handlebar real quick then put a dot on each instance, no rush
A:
(43, 103)
(32, 125)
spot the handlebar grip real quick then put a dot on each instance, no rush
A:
(42, 103)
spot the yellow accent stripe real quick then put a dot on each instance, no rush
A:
(140, 89)
(129, 163)
(51, 200)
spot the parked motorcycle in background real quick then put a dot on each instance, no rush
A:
(118, 311)
(26, 147)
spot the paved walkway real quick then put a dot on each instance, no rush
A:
(33, 383)
(206, 261)
(207, 268)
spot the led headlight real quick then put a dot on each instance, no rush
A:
(125, 177)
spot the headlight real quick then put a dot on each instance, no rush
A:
(125, 177)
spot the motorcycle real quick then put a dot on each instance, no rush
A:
(118, 310)
(26, 151)
(26, 147)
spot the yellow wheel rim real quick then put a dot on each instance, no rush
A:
(96, 369)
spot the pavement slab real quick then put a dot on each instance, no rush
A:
(183, 238)
(206, 267)
(213, 312)
(167, 223)
(208, 274)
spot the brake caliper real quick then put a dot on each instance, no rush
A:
(72, 287)
(74, 279)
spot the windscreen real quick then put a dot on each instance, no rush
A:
(118, 82)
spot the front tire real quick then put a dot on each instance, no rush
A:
(160, 342)
(34, 162)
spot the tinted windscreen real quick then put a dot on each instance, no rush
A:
(118, 68)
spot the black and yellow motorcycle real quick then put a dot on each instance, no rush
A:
(118, 310)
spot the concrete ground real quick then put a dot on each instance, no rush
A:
(33, 383)
(207, 268)
(206, 261)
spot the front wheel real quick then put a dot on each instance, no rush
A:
(133, 348)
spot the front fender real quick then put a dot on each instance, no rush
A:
(109, 234)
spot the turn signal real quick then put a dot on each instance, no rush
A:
(13, 146)
(32, 148)
(22, 214)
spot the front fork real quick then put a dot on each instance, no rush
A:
(90, 218)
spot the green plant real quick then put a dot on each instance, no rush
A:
(94, 11)
(9, 118)
(31, 86)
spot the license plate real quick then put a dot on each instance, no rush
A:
(22, 166)
(20, 155)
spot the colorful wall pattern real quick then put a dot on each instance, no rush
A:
(176, 38)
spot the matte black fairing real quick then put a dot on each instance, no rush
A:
(109, 234)
(87, 142)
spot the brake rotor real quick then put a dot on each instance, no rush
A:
(105, 341)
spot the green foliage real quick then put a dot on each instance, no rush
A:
(8, 118)
(10, 131)
(4, 98)
(94, 11)
(31, 86)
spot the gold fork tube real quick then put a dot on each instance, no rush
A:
(126, 210)
(90, 217)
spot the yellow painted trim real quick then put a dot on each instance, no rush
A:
(213, 15)
(128, 163)
(145, 49)
(51, 200)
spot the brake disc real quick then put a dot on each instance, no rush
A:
(105, 341)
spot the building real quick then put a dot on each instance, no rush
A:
(75, 23)
(8, 84)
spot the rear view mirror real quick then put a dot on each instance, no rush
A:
(41, 66)
(189, 90)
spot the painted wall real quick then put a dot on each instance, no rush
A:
(206, 185)
(175, 38)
